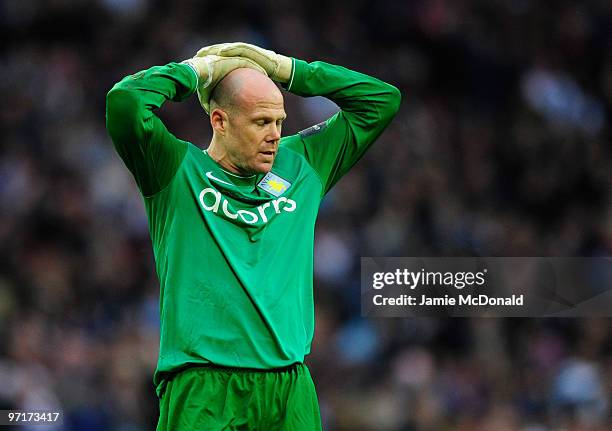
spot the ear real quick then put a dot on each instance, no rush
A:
(218, 121)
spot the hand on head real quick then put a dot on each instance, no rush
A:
(246, 108)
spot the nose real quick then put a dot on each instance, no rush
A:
(275, 132)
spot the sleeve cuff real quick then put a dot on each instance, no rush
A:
(292, 74)
(297, 75)
(193, 69)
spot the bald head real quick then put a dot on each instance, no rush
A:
(244, 88)
(246, 114)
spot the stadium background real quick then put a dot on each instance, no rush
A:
(501, 148)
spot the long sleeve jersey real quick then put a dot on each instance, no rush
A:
(234, 254)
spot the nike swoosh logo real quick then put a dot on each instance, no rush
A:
(212, 177)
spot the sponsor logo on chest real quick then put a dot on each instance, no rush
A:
(213, 201)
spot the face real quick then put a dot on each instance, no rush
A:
(254, 134)
(252, 131)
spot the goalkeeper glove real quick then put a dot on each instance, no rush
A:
(277, 66)
(211, 69)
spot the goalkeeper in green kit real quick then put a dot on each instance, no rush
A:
(232, 227)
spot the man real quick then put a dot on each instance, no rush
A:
(232, 226)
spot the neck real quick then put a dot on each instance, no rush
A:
(218, 152)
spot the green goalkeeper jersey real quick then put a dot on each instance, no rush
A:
(234, 254)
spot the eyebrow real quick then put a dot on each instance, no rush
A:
(268, 117)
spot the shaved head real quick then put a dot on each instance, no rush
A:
(246, 114)
(243, 87)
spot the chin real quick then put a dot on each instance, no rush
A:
(263, 168)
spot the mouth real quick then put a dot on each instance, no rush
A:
(268, 153)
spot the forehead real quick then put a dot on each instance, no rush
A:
(264, 106)
(268, 110)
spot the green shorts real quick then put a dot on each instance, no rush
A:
(216, 398)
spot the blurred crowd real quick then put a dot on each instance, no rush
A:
(502, 147)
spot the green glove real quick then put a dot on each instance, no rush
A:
(278, 67)
(211, 69)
